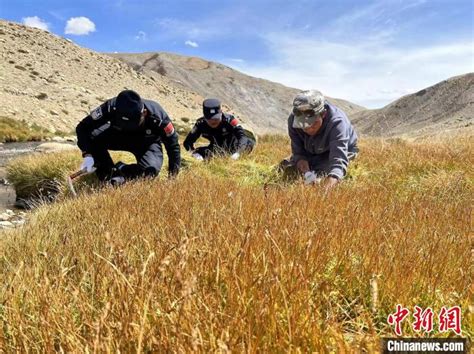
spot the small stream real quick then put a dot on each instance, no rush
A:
(11, 216)
(9, 151)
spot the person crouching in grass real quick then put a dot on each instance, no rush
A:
(323, 140)
(224, 132)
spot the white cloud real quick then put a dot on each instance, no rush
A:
(202, 30)
(179, 28)
(237, 60)
(36, 22)
(141, 36)
(79, 26)
(191, 44)
(379, 20)
(370, 74)
(370, 55)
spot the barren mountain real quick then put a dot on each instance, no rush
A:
(446, 106)
(50, 81)
(264, 103)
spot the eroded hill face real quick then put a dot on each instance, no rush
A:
(50, 81)
(445, 107)
(264, 104)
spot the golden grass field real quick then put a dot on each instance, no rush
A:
(12, 130)
(229, 258)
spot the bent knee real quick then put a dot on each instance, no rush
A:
(151, 171)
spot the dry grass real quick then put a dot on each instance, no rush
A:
(12, 130)
(42, 176)
(219, 260)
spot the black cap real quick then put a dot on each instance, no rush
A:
(211, 108)
(129, 104)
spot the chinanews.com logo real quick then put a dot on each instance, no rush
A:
(425, 321)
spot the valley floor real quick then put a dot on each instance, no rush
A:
(230, 257)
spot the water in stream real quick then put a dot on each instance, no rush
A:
(9, 151)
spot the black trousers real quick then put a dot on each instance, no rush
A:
(228, 148)
(148, 153)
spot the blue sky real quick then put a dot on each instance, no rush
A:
(368, 52)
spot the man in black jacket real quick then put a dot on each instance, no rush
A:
(128, 123)
(223, 130)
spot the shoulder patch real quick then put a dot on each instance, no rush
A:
(169, 129)
(97, 113)
(156, 120)
(194, 130)
(234, 121)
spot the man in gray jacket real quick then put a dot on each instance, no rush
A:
(323, 140)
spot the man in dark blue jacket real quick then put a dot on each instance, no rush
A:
(224, 132)
(323, 140)
(128, 123)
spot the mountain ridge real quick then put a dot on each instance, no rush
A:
(52, 82)
(445, 106)
(264, 103)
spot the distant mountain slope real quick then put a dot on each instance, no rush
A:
(264, 103)
(446, 106)
(50, 81)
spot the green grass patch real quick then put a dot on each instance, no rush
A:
(406, 166)
(12, 130)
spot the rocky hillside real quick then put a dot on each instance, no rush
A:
(446, 106)
(264, 103)
(52, 82)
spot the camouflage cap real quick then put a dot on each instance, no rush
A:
(306, 107)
